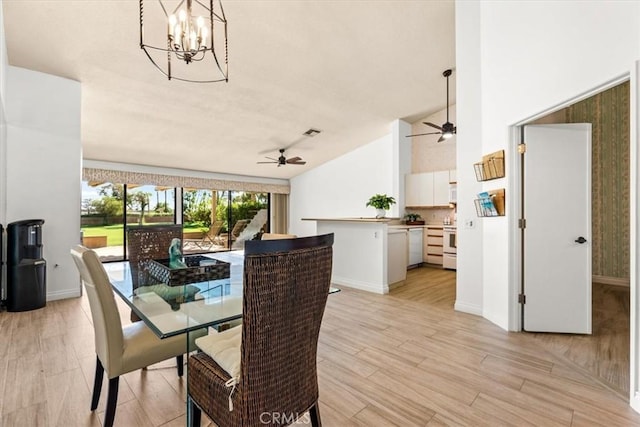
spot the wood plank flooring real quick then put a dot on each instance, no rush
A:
(605, 353)
(403, 359)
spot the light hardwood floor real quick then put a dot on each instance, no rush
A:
(402, 359)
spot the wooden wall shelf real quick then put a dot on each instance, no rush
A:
(490, 203)
(491, 166)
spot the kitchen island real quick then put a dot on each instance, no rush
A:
(363, 252)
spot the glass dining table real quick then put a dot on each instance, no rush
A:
(192, 306)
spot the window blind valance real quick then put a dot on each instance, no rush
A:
(166, 180)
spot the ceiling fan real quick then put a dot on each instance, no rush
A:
(282, 160)
(448, 129)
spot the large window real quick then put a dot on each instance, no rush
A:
(102, 219)
(213, 220)
(222, 220)
(108, 208)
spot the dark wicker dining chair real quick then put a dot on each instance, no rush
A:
(146, 242)
(286, 283)
(149, 242)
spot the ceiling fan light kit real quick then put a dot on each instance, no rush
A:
(174, 34)
(448, 129)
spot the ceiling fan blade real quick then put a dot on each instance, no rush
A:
(440, 139)
(420, 134)
(297, 162)
(432, 125)
(294, 159)
(265, 162)
(271, 158)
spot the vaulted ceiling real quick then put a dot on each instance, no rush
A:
(348, 68)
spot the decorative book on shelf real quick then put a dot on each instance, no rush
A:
(490, 203)
(491, 166)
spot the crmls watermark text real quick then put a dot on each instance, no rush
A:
(281, 418)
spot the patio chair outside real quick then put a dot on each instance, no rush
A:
(210, 238)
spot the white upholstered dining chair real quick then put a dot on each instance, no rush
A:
(119, 350)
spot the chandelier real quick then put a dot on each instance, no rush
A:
(174, 34)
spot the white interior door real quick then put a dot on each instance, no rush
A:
(557, 238)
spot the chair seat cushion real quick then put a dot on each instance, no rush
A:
(224, 348)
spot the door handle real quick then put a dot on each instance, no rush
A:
(580, 240)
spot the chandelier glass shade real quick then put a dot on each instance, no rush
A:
(174, 34)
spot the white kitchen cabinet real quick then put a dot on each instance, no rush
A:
(453, 176)
(419, 189)
(427, 189)
(415, 246)
(397, 255)
(441, 188)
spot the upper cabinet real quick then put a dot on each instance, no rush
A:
(441, 188)
(427, 189)
(418, 189)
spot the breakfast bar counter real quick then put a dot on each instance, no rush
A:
(360, 251)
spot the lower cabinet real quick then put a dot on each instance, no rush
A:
(415, 247)
(397, 255)
(433, 242)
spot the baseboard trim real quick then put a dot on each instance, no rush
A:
(467, 308)
(67, 293)
(363, 286)
(607, 280)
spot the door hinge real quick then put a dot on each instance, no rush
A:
(522, 223)
(522, 299)
(522, 148)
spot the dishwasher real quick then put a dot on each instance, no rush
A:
(415, 247)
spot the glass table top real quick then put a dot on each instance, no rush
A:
(173, 310)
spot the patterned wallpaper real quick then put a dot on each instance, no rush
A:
(608, 112)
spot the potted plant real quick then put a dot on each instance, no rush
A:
(381, 202)
(413, 219)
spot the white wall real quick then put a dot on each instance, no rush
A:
(43, 167)
(517, 60)
(553, 53)
(469, 284)
(342, 187)
(3, 143)
(429, 155)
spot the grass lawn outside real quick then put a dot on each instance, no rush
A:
(115, 235)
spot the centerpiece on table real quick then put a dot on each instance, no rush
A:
(382, 203)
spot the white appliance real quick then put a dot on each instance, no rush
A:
(449, 248)
(453, 193)
(415, 246)
(397, 255)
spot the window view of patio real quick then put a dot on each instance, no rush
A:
(103, 214)
(220, 220)
(213, 220)
(201, 229)
(249, 217)
(102, 218)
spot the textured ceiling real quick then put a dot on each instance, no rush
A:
(348, 68)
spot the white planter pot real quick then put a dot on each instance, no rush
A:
(380, 213)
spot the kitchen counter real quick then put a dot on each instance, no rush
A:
(354, 219)
(361, 251)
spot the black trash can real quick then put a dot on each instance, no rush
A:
(26, 268)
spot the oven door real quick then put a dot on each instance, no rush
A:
(449, 241)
